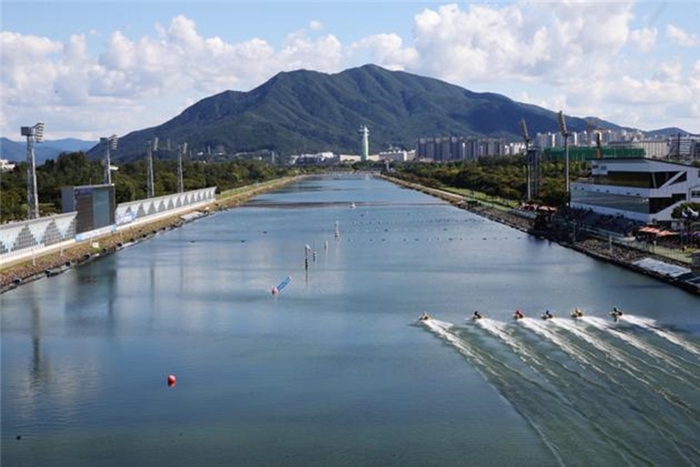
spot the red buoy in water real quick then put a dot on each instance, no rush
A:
(171, 380)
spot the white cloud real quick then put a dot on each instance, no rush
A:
(27, 64)
(681, 37)
(461, 45)
(643, 40)
(574, 56)
(578, 55)
(695, 77)
(552, 41)
(650, 91)
(385, 50)
(301, 52)
(670, 72)
(44, 76)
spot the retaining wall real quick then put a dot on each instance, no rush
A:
(30, 237)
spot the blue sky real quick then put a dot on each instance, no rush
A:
(94, 68)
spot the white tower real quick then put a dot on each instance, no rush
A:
(364, 154)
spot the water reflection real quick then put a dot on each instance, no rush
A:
(90, 304)
(40, 367)
(333, 357)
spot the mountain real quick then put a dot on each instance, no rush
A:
(50, 149)
(306, 111)
(666, 133)
(71, 144)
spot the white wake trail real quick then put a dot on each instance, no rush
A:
(650, 325)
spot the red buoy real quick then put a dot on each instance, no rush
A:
(171, 380)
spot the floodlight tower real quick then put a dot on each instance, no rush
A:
(364, 131)
(565, 134)
(111, 144)
(180, 181)
(34, 134)
(150, 190)
(526, 138)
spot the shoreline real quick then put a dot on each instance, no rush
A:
(22, 272)
(50, 264)
(616, 255)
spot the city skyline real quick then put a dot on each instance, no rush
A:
(92, 69)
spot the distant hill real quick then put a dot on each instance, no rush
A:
(666, 132)
(306, 112)
(71, 144)
(50, 149)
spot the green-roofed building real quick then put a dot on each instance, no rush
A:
(587, 153)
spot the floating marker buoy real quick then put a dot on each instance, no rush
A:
(281, 285)
(171, 380)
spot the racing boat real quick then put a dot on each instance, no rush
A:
(616, 313)
(518, 314)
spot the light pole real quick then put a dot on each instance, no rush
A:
(565, 135)
(180, 181)
(526, 138)
(150, 189)
(111, 145)
(34, 134)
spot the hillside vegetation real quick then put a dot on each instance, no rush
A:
(306, 112)
(501, 177)
(75, 169)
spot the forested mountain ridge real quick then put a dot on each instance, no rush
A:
(17, 151)
(307, 111)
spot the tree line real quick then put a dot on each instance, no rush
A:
(506, 177)
(503, 177)
(130, 180)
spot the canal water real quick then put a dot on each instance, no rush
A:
(335, 369)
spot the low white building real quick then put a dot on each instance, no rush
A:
(6, 166)
(349, 158)
(396, 156)
(653, 148)
(646, 190)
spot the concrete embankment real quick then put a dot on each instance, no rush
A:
(518, 221)
(625, 257)
(55, 262)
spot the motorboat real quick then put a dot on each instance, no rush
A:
(518, 314)
(616, 313)
(477, 315)
(547, 315)
(577, 313)
(424, 316)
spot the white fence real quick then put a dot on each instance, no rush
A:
(28, 237)
(35, 237)
(154, 207)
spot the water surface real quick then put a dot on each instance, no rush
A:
(334, 370)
